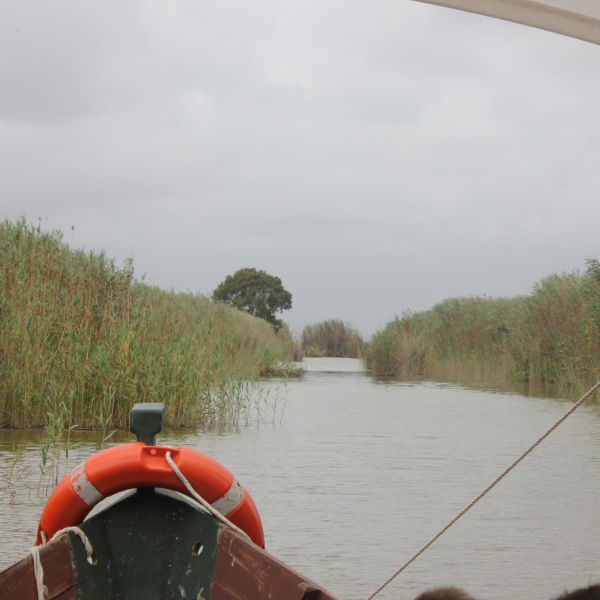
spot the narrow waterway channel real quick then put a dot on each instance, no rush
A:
(360, 473)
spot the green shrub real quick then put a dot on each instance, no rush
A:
(332, 338)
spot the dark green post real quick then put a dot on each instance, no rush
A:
(147, 419)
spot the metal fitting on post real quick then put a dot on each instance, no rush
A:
(147, 419)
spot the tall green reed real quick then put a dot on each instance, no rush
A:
(14, 471)
(549, 336)
(77, 329)
(332, 337)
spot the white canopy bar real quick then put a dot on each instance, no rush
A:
(534, 14)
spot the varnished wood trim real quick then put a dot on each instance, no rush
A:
(246, 572)
(17, 582)
(218, 592)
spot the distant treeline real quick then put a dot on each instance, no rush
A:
(332, 338)
(549, 336)
(82, 339)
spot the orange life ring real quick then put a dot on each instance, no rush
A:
(137, 465)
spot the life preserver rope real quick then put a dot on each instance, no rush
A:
(211, 509)
(137, 465)
(38, 569)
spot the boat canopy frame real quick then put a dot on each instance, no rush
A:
(534, 14)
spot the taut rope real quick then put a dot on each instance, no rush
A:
(487, 489)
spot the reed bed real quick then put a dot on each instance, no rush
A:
(40, 458)
(332, 338)
(81, 338)
(551, 336)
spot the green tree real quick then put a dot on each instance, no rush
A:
(256, 292)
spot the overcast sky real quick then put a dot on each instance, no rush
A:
(376, 155)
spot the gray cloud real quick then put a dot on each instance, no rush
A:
(376, 156)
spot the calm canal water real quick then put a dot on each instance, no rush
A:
(361, 472)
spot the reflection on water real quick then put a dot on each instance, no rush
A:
(360, 473)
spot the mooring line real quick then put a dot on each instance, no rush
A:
(506, 472)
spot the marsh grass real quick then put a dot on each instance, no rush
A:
(332, 338)
(80, 333)
(244, 403)
(551, 336)
(14, 472)
(286, 370)
(33, 467)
